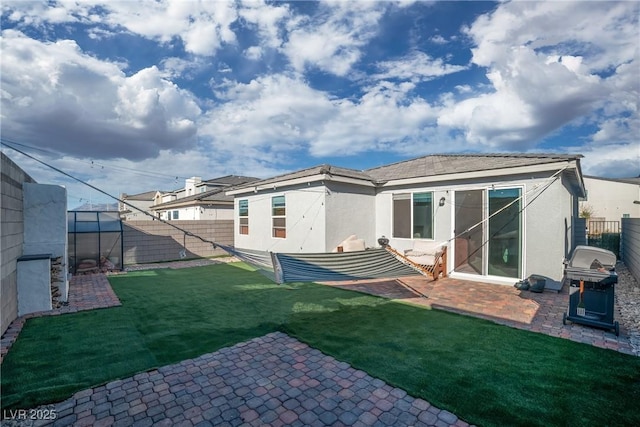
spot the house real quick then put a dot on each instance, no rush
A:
(198, 200)
(503, 217)
(134, 203)
(610, 199)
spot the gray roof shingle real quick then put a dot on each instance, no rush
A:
(315, 170)
(442, 164)
(147, 195)
(432, 165)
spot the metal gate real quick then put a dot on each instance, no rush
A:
(605, 235)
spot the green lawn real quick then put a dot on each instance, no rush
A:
(485, 373)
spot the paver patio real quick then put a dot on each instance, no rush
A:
(536, 312)
(272, 380)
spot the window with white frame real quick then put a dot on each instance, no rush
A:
(176, 214)
(278, 217)
(413, 215)
(243, 213)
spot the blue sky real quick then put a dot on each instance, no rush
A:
(138, 95)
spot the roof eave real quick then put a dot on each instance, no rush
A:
(546, 167)
(298, 181)
(191, 203)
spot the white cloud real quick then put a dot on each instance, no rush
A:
(532, 97)
(40, 13)
(549, 64)
(438, 39)
(611, 160)
(334, 38)
(278, 115)
(254, 53)
(384, 118)
(268, 19)
(418, 66)
(202, 26)
(76, 103)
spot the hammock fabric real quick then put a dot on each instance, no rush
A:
(332, 266)
(260, 260)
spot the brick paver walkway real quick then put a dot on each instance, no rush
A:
(536, 312)
(272, 380)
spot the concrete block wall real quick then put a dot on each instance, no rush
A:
(155, 241)
(630, 245)
(11, 236)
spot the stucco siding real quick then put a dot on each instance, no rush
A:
(546, 227)
(305, 220)
(441, 214)
(217, 214)
(548, 232)
(350, 209)
(611, 200)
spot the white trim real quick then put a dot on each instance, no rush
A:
(495, 280)
(411, 193)
(485, 231)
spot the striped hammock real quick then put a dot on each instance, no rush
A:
(319, 267)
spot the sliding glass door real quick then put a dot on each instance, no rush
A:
(469, 233)
(505, 233)
(488, 230)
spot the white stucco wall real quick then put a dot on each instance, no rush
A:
(45, 225)
(548, 233)
(192, 213)
(319, 217)
(441, 214)
(547, 238)
(611, 199)
(135, 214)
(350, 209)
(34, 284)
(217, 213)
(305, 220)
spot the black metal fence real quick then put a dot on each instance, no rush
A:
(605, 235)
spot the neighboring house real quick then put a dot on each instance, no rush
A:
(130, 211)
(199, 200)
(97, 207)
(523, 205)
(610, 199)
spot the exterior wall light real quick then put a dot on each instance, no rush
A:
(441, 202)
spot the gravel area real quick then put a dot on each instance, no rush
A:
(628, 298)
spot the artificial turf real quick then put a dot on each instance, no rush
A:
(485, 373)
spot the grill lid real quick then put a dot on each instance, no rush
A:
(592, 258)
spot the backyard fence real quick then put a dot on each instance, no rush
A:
(630, 245)
(154, 241)
(12, 236)
(605, 235)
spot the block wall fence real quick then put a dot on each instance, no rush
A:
(630, 245)
(154, 241)
(11, 237)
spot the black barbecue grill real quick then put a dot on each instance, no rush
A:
(592, 277)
